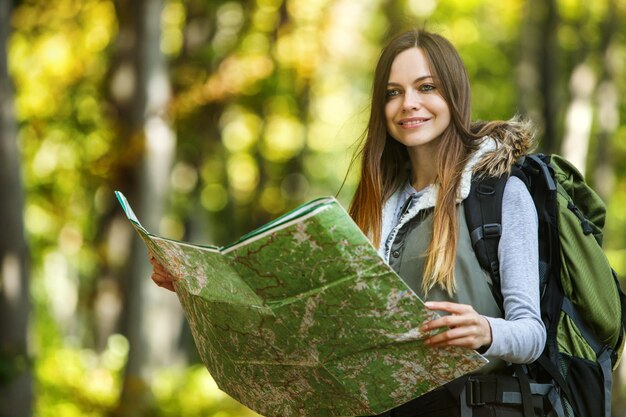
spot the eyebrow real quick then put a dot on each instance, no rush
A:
(418, 79)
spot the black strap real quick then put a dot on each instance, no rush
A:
(543, 166)
(554, 372)
(622, 298)
(517, 390)
(524, 385)
(604, 360)
(483, 215)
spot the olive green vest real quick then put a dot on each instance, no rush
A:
(472, 282)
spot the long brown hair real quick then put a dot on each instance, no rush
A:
(383, 159)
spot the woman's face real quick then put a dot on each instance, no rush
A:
(415, 111)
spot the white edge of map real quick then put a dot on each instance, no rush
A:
(285, 224)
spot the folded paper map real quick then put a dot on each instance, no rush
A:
(301, 317)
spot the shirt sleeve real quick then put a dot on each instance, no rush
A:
(520, 336)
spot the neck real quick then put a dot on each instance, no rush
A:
(423, 168)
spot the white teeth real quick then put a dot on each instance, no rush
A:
(412, 123)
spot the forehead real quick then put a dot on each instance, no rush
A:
(409, 65)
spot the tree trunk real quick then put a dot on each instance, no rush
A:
(151, 316)
(537, 69)
(16, 379)
(527, 71)
(548, 70)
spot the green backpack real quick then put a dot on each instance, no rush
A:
(582, 305)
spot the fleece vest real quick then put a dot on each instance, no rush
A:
(407, 257)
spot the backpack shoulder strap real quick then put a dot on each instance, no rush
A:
(483, 215)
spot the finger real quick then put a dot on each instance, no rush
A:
(158, 279)
(158, 267)
(166, 284)
(452, 308)
(465, 342)
(451, 321)
(473, 335)
(452, 334)
(162, 277)
(155, 263)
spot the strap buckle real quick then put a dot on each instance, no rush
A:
(473, 392)
(491, 230)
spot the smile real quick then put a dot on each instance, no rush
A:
(413, 122)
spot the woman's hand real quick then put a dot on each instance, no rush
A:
(160, 276)
(467, 328)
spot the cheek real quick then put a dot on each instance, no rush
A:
(442, 109)
(390, 112)
(444, 114)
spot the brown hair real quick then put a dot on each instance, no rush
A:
(384, 159)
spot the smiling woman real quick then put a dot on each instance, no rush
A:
(418, 157)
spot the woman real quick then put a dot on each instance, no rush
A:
(419, 154)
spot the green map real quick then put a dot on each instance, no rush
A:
(301, 317)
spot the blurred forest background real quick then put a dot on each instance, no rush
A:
(214, 117)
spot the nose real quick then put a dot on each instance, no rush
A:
(412, 101)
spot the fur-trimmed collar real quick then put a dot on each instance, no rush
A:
(493, 157)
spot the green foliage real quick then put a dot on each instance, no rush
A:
(269, 98)
(80, 382)
(192, 392)
(74, 382)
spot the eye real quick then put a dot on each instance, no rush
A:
(391, 93)
(427, 88)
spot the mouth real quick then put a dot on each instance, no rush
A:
(413, 122)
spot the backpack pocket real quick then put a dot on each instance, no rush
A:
(588, 398)
(570, 340)
(578, 361)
